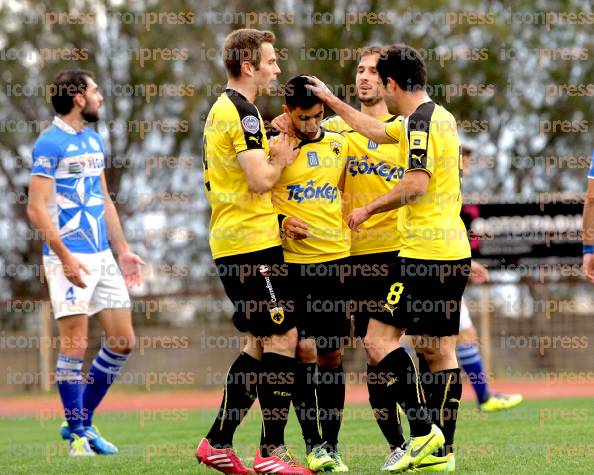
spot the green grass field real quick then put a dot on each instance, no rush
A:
(539, 437)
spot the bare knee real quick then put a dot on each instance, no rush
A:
(440, 354)
(123, 344)
(330, 359)
(73, 336)
(284, 344)
(306, 350)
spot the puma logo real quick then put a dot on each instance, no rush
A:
(390, 308)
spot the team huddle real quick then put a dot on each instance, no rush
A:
(378, 187)
(315, 223)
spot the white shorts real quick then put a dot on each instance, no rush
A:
(465, 321)
(105, 286)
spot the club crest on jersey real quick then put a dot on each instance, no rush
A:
(250, 124)
(264, 269)
(336, 147)
(312, 159)
(277, 314)
(371, 145)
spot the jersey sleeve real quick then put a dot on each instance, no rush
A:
(422, 140)
(394, 129)
(591, 172)
(45, 158)
(247, 134)
(333, 124)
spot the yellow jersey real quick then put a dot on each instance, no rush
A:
(372, 171)
(431, 227)
(310, 189)
(241, 221)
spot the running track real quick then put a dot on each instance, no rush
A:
(118, 401)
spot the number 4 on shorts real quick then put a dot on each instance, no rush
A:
(393, 296)
(70, 295)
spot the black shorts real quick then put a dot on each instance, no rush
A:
(367, 283)
(320, 306)
(256, 284)
(424, 296)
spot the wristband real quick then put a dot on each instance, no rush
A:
(588, 248)
(281, 221)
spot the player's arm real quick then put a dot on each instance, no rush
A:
(261, 172)
(129, 262)
(588, 228)
(413, 185)
(362, 123)
(40, 190)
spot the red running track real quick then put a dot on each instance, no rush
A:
(47, 406)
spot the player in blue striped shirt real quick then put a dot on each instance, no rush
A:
(70, 206)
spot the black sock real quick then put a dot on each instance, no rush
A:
(446, 391)
(239, 395)
(306, 403)
(275, 390)
(331, 394)
(384, 409)
(398, 375)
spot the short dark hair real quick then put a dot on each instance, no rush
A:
(244, 45)
(404, 65)
(297, 95)
(66, 85)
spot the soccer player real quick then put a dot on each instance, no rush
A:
(308, 201)
(433, 265)
(372, 171)
(69, 205)
(588, 232)
(240, 169)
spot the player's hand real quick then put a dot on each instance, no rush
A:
(588, 265)
(478, 273)
(319, 89)
(357, 216)
(295, 228)
(284, 124)
(130, 265)
(282, 150)
(73, 270)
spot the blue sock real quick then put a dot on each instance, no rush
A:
(104, 370)
(70, 387)
(469, 357)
